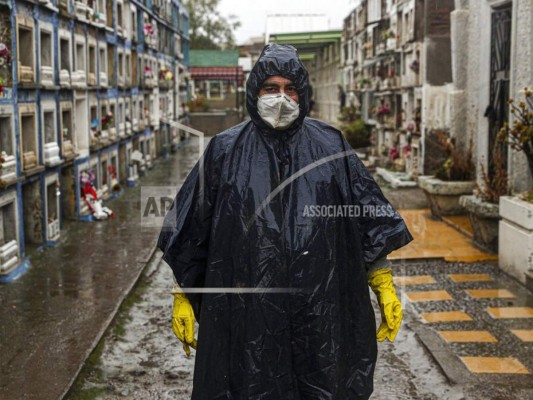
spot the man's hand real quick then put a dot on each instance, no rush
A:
(391, 309)
(183, 322)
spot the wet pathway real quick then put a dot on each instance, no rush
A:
(52, 317)
(141, 358)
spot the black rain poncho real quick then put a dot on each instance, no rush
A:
(249, 215)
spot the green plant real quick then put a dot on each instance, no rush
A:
(496, 184)
(520, 134)
(200, 103)
(388, 35)
(527, 196)
(354, 128)
(458, 165)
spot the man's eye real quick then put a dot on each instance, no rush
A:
(290, 90)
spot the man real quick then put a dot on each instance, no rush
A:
(280, 289)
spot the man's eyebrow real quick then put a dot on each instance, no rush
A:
(270, 84)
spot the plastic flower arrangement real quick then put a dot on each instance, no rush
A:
(5, 63)
(149, 30)
(5, 56)
(383, 109)
(147, 71)
(107, 121)
(406, 151)
(166, 74)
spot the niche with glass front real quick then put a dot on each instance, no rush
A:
(111, 61)
(79, 76)
(94, 122)
(9, 232)
(113, 119)
(113, 171)
(133, 173)
(81, 125)
(91, 77)
(121, 118)
(127, 68)
(28, 137)
(153, 110)
(8, 161)
(141, 112)
(32, 210)
(120, 68)
(120, 18)
(104, 121)
(109, 14)
(127, 115)
(81, 10)
(68, 149)
(101, 11)
(65, 59)
(102, 63)
(95, 166)
(134, 66)
(47, 56)
(134, 23)
(50, 139)
(52, 207)
(134, 114)
(104, 176)
(25, 49)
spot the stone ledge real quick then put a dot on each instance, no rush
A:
(517, 211)
(396, 179)
(437, 186)
(477, 206)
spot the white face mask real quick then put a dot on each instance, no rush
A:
(278, 110)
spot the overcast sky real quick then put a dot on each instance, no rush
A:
(252, 13)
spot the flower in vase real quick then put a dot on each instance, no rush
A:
(4, 51)
(149, 30)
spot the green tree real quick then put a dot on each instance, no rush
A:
(207, 28)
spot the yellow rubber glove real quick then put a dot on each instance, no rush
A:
(183, 322)
(380, 281)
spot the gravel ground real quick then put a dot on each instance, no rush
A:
(140, 358)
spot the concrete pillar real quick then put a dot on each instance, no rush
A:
(458, 97)
(521, 76)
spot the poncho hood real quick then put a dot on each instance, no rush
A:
(282, 60)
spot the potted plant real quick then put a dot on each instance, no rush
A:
(516, 225)
(453, 179)
(483, 205)
(353, 127)
(198, 104)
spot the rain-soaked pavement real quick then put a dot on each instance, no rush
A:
(52, 318)
(141, 358)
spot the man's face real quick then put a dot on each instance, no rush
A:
(279, 84)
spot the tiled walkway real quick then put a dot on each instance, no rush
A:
(437, 239)
(478, 313)
(484, 317)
